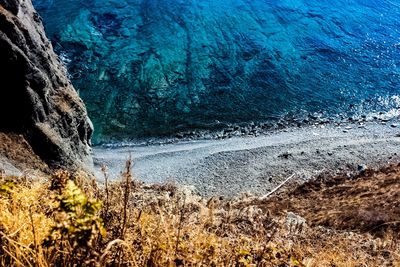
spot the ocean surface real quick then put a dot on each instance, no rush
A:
(150, 68)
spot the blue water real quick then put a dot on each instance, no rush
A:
(156, 67)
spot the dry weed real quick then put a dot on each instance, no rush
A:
(58, 222)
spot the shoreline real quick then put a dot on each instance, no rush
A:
(253, 129)
(256, 165)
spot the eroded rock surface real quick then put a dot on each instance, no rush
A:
(37, 101)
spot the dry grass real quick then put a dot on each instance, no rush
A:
(365, 203)
(20, 153)
(53, 222)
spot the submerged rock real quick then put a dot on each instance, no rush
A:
(37, 100)
(160, 67)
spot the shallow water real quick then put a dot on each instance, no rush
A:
(156, 67)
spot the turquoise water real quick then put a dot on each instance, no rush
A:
(157, 67)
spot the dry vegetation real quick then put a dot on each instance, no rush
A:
(20, 153)
(71, 221)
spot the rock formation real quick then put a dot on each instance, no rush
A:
(38, 105)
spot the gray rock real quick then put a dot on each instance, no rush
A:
(7, 168)
(295, 223)
(362, 168)
(36, 99)
(285, 155)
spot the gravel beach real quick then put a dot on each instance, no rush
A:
(258, 164)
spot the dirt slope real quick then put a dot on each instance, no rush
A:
(369, 202)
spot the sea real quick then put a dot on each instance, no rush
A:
(151, 69)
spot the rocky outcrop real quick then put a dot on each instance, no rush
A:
(37, 101)
(153, 67)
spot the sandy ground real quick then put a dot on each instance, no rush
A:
(257, 164)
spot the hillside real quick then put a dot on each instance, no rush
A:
(332, 221)
(319, 189)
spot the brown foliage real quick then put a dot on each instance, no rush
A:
(54, 222)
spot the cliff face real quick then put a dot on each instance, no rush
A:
(37, 101)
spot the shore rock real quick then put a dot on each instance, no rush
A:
(37, 101)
